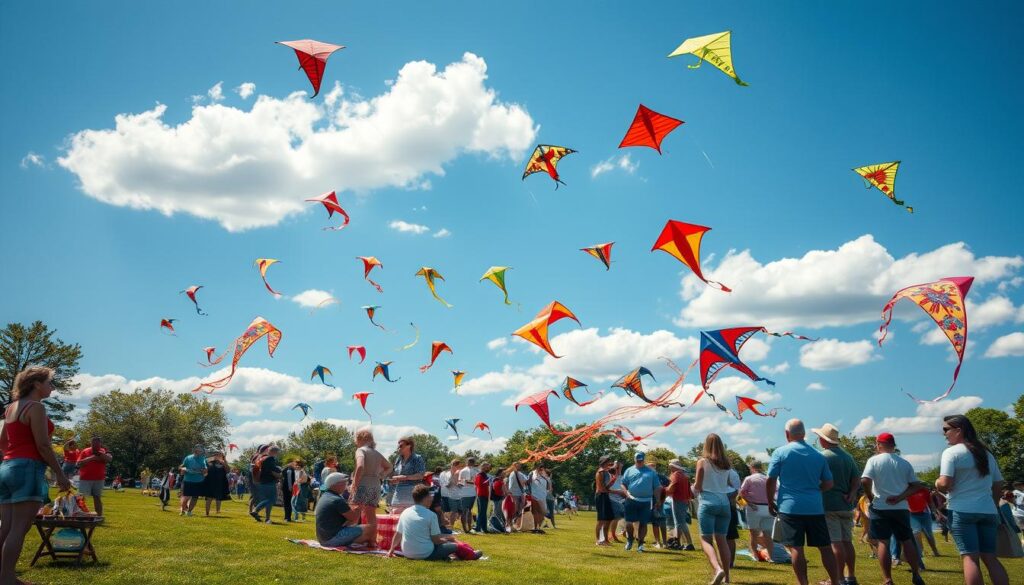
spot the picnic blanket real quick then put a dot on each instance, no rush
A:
(358, 550)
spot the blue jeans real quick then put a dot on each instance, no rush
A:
(442, 551)
(265, 495)
(481, 514)
(974, 533)
(713, 514)
(680, 516)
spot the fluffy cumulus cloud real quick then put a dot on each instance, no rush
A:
(405, 227)
(1011, 345)
(622, 163)
(844, 286)
(216, 93)
(589, 354)
(252, 168)
(776, 369)
(832, 354)
(927, 419)
(311, 298)
(246, 90)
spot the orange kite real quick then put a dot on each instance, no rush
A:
(435, 350)
(536, 331)
(369, 263)
(649, 128)
(682, 242)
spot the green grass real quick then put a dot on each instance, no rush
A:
(140, 544)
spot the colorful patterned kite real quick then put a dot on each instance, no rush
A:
(720, 349)
(536, 331)
(330, 202)
(632, 383)
(415, 339)
(943, 300)
(570, 384)
(313, 57)
(370, 311)
(191, 292)
(263, 264)
(383, 368)
(539, 403)
(602, 252)
(304, 407)
(545, 158)
(361, 397)
(482, 426)
(321, 371)
(883, 177)
(450, 423)
(458, 375)
(435, 350)
(168, 324)
(359, 349)
(430, 275)
(649, 128)
(715, 49)
(496, 274)
(259, 327)
(682, 242)
(369, 262)
(210, 361)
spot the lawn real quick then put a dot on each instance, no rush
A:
(140, 544)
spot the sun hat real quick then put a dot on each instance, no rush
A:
(676, 464)
(828, 432)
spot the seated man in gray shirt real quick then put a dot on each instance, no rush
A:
(336, 522)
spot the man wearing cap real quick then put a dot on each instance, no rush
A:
(759, 520)
(840, 500)
(804, 475)
(888, 479)
(681, 494)
(193, 468)
(336, 522)
(639, 481)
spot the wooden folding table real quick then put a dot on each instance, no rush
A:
(46, 525)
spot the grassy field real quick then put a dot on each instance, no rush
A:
(140, 544)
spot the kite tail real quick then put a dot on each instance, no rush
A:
(414, 341)
(200, 312)
(589, 402)
(956, 373)
(700, 61)
(718, 285)
(423, 369)
(886, 320)
(741, 82)
(558, 182)
(378, 325)
(272, 291)
(765, 380)
(375, 285)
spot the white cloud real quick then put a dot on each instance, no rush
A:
(248, 169)
(497, 343)
(408, 228)
(442, 233)
(776, 369)
(216, 93)
(755, 350)
(832, 354)
(823, 288)
(622, 162)
(311, 298)
(507, 380)
(32, 160)
(246, 90)
(481, 444)
(1011, 345)
(588, 355)
(928, 418)
(922, 461)
(816, 387)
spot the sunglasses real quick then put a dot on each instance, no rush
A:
(947, 429)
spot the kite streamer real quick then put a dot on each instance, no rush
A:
(414, 341)
(259, 327)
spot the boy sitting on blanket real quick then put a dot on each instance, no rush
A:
(336, 522)
(419, 534)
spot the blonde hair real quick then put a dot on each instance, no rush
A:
(714, 451)
(26, 380)
(365, 436)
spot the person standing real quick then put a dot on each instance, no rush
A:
(804, 474)
(712, 487)
(167, 485)
(302, 492)
(538, 497)
(840, 500)
(618, 497)
(680, 494)
(639, 482)
(1018, 505)
(92, 472)
(887, 480)
(482, 486)
(266, 473)
(71, 455)
(407, 473)
(497, 521)
(467, 491)
(216, 487)
(759, 519)
(193, 469)
(330, 466)
(27, 452)
(371, 468)
(287, 486)
(921, 513)
(517, 489)
(969, 476)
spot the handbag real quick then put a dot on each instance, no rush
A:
(1008, 545)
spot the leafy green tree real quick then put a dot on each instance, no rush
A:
(36, 345)
(739, 463)
(662, 456)
(860, 448)
(317, 440)
(1004, 435)
(928, 476)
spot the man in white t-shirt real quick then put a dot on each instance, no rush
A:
(1018, 504)
(419, 534)
(467, 492)
(445, 480)
(887, 480)
(517, 488)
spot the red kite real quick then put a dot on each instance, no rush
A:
(191, 292)
(263, 264)
(168, 324)
(435, 350)
(370, 311)
(361, 397)
(313, 57)
(369, 262)
(330, 202)
(539, 403)
(744, 404)
(210, 361)
(357, 349)
(259, 327)
(536, 331)
(545, 158)
(602, 252)
(482, 426)
(649, 128)
(682, 242)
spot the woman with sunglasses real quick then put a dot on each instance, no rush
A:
(408, 472)
(970, 477)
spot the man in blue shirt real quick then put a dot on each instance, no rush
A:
(639, 481)
(804, 474)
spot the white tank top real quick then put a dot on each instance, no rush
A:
(716, 480)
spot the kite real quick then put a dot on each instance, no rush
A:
(602, 252)
(496, 274)
(323, 303)
(450, 423)
(210, 361)
(169, 325)
(720, 349)
(369, 262)
(715, 49)
(536, 331)
(313, 57)
(191, 292)
(361, 397)
(539, 403)
(435, 350)
(232, 447)
(632, 383)
(382, 368)
(429, 274)
(571, 384)
(482, 426)
(304, 407)
(320, 371)
(259, 327)
(682, 242)
(744, 404)
(458, 375)
(263, 264)
(330, 202)
(545, 158)
(649, 128)
(370, 310)
(883, 177)
(943, 300)
(414, 341)
(357, 349)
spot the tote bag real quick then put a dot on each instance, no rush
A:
(1008, 544)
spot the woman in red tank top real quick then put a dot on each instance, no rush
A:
(25, 442)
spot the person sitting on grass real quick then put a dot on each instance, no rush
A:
(337, 523)
(418, 533)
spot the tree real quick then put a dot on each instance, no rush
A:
(1004, 435)
(36, 345)
(662, 456)
(738, 462)
(152, 429)
(432, 450)
(318, 440)
(861, 449)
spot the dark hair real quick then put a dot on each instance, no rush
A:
(420, 493)
(978, 449)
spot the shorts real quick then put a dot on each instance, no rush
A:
(468, 502)
(761, 520)
(733, 532)
(90, 487)
(539, 506)
(192, 489)
(798, 529)
(446, 504)
(680, 514)
(344, 537)
(23, 480)
(921, 522)
(618, 508)
(366, 495)
(888, 523)
(840, 526)
(974, 533)
(455, 505)
(603, 504)
(637, 511)
(713, 514)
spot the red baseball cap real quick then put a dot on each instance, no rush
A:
(885, 438)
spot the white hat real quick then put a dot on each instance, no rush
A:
(334, 479)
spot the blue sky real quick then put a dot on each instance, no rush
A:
(766, 166)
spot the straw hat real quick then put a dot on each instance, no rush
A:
(828, 433)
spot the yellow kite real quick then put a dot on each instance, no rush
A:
(715, 49)
(429, 274)
(496, 274)
(883, 177)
